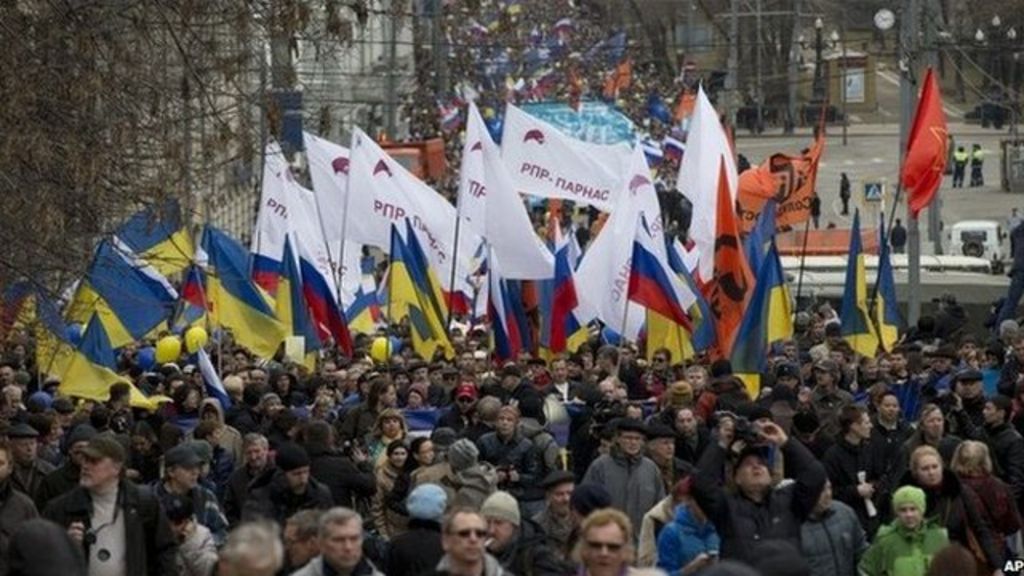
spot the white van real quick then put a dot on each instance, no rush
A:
(978, 239)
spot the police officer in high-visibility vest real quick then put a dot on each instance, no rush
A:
(977, 159)
(959, 166)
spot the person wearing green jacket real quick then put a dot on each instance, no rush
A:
(906, 546)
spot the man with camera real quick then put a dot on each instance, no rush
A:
(755, 511)
(121, 527)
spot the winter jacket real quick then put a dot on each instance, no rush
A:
(1007, 449)
(277, 502)
(27, 479)
(197, 555)
(491, 567)
(357, 422)
(547, 455)
(653, 523)
(387, 522)
(316, 567)
(243, 418)
(345, 479)
(833, 542)
(471, 486)
(514, 453)
(528, 554)
(240, 486)
(633, 482)
(417, 550)
(827, 406)
(1012, 370)
(207, 510)
(683, 539)
(997, 504)
(956, 507)
(887, 444)
(690, 449)
(898, 551)
(742, 522)
(230, 438)
(843, 461)
(556, 529)
(15, 508)
(60, 481)
(150, 545)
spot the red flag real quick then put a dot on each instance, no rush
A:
(732, 284)
(927, 148)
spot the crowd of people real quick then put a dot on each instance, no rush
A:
(597, 462)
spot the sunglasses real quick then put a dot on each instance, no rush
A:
(479, 534)
(609, 546)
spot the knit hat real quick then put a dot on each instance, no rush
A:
(427, 502)
(291, 457)
(910, 495)
(501, 506)
(680, 394)
(462, 454)
(589, 497)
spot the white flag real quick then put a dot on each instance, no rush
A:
(328, 168)
(706, 147)
(546, 162)
(490, 206)
(602, 278)
(382, 193)
(272, 221)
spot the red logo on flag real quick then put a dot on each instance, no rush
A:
(535, 135)
(382, 166)
(340, 165)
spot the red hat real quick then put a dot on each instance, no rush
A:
(464, 390)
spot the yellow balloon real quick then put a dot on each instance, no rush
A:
(195, 338)
(380, 350)
(168, 349)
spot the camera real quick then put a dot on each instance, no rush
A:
(744, 429)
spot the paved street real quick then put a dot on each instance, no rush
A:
(872, 153)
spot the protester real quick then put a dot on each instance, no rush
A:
(906, 546)
(96, 516)
(464, 542)
(341, 546)
(252, 549)
(832, 538)
(689, 543)
(418, 550)
(631, 478)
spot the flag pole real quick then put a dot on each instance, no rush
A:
(803, 260)
(451, 277)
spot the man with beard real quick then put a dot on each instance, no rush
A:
(632, 479)
(556, 518)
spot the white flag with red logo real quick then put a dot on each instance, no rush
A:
(544, 161)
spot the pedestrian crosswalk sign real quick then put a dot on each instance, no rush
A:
(873, 191)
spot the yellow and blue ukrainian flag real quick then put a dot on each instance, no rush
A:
(130, 299)
(767, 319)
(234, 301)
(159, 236)
(886, 312)
(857, 328)
(410, 297)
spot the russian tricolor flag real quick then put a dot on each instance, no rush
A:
(651, 282)
(327, 314)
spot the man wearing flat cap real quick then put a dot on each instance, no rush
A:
(827, 398)
(122, 528)
(182, 465)
(632, 479)
(29, 469)
(556, 517)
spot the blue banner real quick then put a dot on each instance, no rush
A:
(596, 122)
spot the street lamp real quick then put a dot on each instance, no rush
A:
(819, 85)
(979, 36)
(996, 22)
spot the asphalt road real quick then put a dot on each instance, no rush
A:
(872, 154)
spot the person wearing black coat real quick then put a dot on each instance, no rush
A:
(15, 507)
(756, 512)
(953, 505)
(346, 479)
(290, 490)
(854, 466)
(150, 545)
(257, 472)
(1005, 445)
(512, 455)
(418, 550)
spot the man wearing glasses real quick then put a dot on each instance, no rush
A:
(464, 540)
(606, 543)
(632, 479)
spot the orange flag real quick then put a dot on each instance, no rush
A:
(927, 148)
(732, 284)
(790, 180)
(684, 106)
(619, 80)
